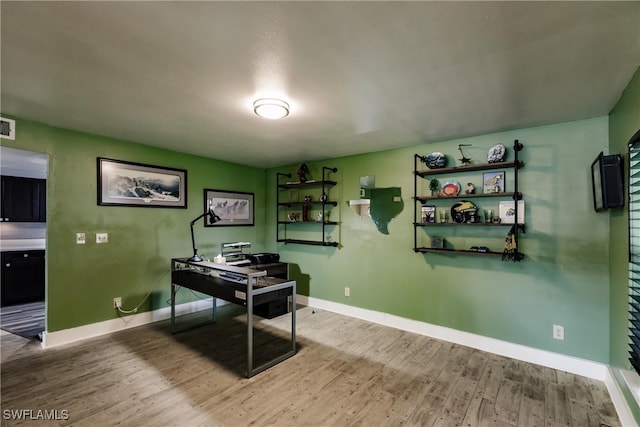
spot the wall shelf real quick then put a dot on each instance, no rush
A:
(320, 204)
(515, 165)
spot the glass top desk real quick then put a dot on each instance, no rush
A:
(239, 285)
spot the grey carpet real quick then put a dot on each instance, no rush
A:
(26, 320)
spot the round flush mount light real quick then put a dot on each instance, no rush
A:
(271, 108)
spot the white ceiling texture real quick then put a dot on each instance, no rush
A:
(360, 76)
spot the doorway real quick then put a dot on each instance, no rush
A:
(23, 242)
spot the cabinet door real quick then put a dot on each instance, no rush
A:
(23, 199)
(23, 277)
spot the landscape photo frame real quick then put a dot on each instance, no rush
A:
(122, 183)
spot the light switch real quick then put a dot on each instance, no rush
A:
(80, 238)
(102, 237)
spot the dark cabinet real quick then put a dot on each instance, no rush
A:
(23, 277)
(276, 308)
(23, 199)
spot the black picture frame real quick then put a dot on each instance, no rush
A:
(235, 208)
(122, 183)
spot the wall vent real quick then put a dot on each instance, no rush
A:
(7, 128)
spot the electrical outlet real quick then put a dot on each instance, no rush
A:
(558, 332)
(80, 238)
(117, 302)
(347, 292)
(102, 237)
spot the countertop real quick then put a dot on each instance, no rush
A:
(22, 244)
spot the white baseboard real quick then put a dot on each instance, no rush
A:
(617, 396)
(67, 336)
(574, 365)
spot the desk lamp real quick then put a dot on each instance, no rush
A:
(213, 218)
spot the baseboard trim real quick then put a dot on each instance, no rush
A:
(618, 399)
(71, 335)
(574, 365)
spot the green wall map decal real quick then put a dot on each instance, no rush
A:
(386, 204)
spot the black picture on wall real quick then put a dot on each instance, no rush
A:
(123, 183)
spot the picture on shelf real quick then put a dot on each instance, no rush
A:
(493, 182)
(507, 212)
(428, 214)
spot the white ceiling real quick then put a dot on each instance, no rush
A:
(360, 76)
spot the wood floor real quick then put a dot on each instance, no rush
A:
(347, 372)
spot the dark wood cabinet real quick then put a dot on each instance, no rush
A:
(23, 277)
(23, 199)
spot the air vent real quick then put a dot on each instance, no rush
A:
(7, 128)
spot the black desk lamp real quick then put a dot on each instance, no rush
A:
(213, 218)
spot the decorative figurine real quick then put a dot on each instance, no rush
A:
(307, 199)
(464, 159)
(470, 188)
(303, 170)
(496, 154)
(323, 197)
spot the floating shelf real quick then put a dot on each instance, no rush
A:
(309, 242)
(306, 184)
(470, 168)
(459, 251)
(465, 196)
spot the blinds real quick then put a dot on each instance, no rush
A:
(634, 256)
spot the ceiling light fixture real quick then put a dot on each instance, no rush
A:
(271, 108)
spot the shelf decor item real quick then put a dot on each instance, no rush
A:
(303, 170)
(428, 214)
(434, 186)
(493, 182)
(464, 160)
(435, 160)
(451, 187)
(123, 183)
(437, 242)
(507, 212)
(496, 154)
(464, 211)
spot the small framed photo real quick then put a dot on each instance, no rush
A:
(493, 182)
(233, 207)
(507, 212)
(428, 214)
(437, 242)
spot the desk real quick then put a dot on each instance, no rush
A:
(249, 288)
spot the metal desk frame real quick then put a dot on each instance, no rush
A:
(205, 277)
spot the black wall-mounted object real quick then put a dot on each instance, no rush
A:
(606, 176)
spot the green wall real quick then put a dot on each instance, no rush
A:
(624, 121)
(82, 280)
(563, 280)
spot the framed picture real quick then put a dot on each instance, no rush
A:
(123, 183)
(507, 212)
(233, 207)
(493, 182)
(428, 214)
